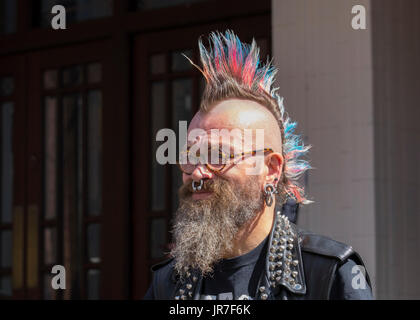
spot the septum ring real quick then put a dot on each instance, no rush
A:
(197, 188)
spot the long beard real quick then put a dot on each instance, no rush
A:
(204, 230)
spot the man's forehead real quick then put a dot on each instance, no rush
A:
(241, 116)
(232, 114)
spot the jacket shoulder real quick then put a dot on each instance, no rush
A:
(323, 245)
(164, 279)
(168, 263)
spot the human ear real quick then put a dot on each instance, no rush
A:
(274, 167)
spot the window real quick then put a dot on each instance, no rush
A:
(76, 10)
(155, 4)
(73, 177)
(7, 16)
(6, 187)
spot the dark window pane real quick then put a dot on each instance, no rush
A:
(7, 16)
(93, 284)
(50, 246)
(182, 111)
(158, 63)
(157, 237)
(94, 72)
(94, 148)
(49, 292)
(6, 162)
(179, 62)
(50, 165)
(264, 49)
(50, 79)
(76, 10)
(154, 4)
(72, 76)
(6, 285)
(158, 122)
(71, 171)
(94, 242)
(6, 248)
(7, 85)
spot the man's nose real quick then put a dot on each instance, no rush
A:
(201, 172)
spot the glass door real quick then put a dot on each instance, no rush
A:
(12, 175)
(64, 188)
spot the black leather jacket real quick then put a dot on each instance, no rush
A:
(299, 265)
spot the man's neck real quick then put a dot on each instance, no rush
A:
(253, 233)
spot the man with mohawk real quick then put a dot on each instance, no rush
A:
(230, 242)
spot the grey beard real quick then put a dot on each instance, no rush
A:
(204, 229)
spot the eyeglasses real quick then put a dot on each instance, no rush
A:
(216, 160)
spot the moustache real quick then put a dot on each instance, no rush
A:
(208, 186)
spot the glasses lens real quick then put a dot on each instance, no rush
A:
(216, 159)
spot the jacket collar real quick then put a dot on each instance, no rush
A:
(283, 265)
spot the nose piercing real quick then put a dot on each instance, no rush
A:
(197, 188)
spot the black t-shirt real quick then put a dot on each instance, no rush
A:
(236, 278)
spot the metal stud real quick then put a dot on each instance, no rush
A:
(289, 255)
(272, 250)
(290, 246)
(282, 248)
(274, 242)
(176, 297)
(181, 291)
(282, 240)
(294, 274)
(273, 284)
(279, 264)
(278, 273)
(183, 297)
(262, 289)
(292, 282)
(189, 286)
(280, 255)
(190, 294)
(278, 279)
(276, 234)
(295, 262)
(264, 296)
(194, 279)
(271, 267)
(188, 274)
(271, 258)
(297, 286)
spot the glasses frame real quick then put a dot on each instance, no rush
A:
(231, 160)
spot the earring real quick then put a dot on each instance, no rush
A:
(269, 190)
(197, 188)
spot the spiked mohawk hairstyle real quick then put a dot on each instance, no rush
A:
(232, 69)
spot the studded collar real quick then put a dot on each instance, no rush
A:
(283, 266)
